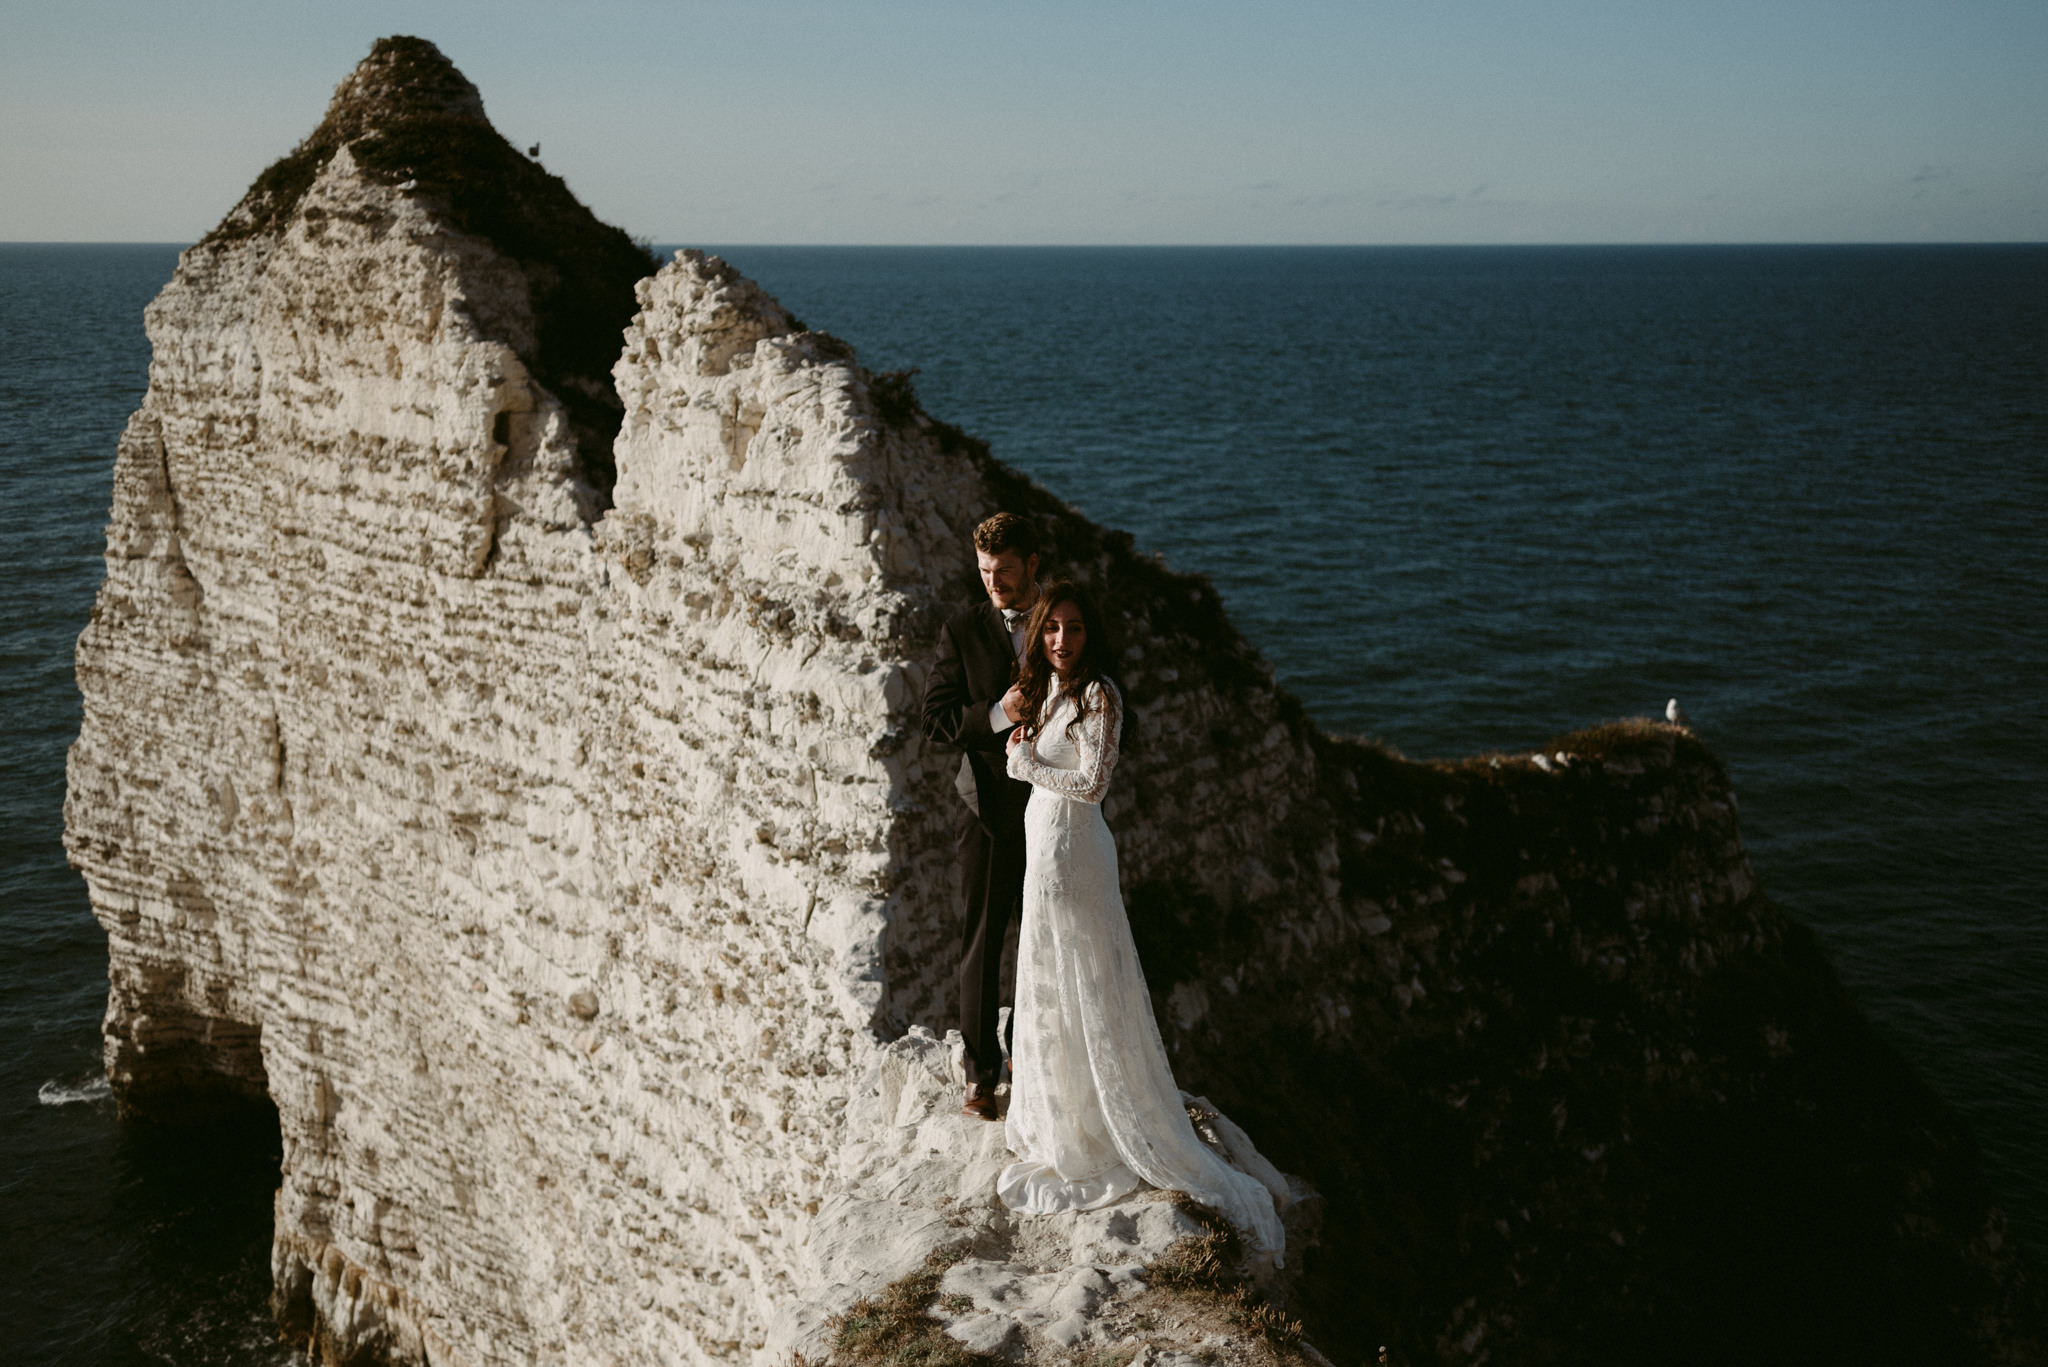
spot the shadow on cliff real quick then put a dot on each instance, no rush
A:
(1573, 1088)
(1621, 1141)
(183, 1227)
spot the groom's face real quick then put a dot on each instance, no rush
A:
(1008, 577)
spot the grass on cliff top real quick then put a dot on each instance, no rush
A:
(1643, 738)
(1203, 1269)
(1650, 738)
(893, 1328)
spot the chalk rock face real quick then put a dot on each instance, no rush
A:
(500, 753)
(536, 872)
(553, 869)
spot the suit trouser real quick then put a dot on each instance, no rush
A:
(992, 877)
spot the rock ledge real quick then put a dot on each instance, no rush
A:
(1029, 1289)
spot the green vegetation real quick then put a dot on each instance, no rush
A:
(1204, 1267)
(411, 120)
(894, 394)
(894, 1329)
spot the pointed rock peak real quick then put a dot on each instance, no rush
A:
(413, 123)
(402, 80)
(405, 103)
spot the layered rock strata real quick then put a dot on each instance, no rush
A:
(546, 831)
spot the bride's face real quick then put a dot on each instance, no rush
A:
(1066, 636)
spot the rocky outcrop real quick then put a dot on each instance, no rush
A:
(915, 1180)
(510, 771)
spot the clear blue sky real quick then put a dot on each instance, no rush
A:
(874, 121)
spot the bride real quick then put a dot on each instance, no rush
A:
(1094, 1112)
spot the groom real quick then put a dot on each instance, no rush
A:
(971, 702)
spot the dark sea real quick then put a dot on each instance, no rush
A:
(1463, 498)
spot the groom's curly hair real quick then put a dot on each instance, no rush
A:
(1035, 676)
(1006, 532)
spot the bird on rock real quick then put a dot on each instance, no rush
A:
(1676, 714)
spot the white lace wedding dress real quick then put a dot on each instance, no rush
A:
(1094, 1112)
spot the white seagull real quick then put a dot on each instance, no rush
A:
(1675, 714)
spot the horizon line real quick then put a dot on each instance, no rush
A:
(1182, 246)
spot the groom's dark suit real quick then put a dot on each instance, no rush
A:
(975, 668)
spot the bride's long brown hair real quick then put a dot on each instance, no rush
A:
(1035, 677)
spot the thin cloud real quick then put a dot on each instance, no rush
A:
(1475, 198)
(1931, 178)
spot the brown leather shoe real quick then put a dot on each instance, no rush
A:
(980, 1103)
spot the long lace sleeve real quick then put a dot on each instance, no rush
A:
(1096, 740)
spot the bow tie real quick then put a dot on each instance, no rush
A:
(1013, 617)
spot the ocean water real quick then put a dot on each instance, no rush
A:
(118, 1244)
(1463, 499)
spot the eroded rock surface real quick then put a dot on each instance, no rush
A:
(920, 1180)
(510, 770)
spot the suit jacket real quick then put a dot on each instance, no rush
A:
(975, 667)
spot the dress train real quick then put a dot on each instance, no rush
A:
(1094, 1111)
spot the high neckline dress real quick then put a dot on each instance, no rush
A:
(1094, 1110)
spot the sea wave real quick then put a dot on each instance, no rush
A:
(66, 1094)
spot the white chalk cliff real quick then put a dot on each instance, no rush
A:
(539, 871)
(505, 763)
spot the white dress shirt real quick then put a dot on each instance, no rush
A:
(999, 720)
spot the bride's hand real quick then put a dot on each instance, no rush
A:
(1016, 737)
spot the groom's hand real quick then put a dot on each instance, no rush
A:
(1013, 704)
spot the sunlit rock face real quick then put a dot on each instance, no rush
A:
(538, 858)
(530, 864)
(500, 752)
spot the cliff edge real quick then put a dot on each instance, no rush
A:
(499, 754)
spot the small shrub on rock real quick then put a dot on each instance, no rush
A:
(893, 1328)
(1205, 1266)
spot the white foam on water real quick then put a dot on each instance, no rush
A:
(61, 1094)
